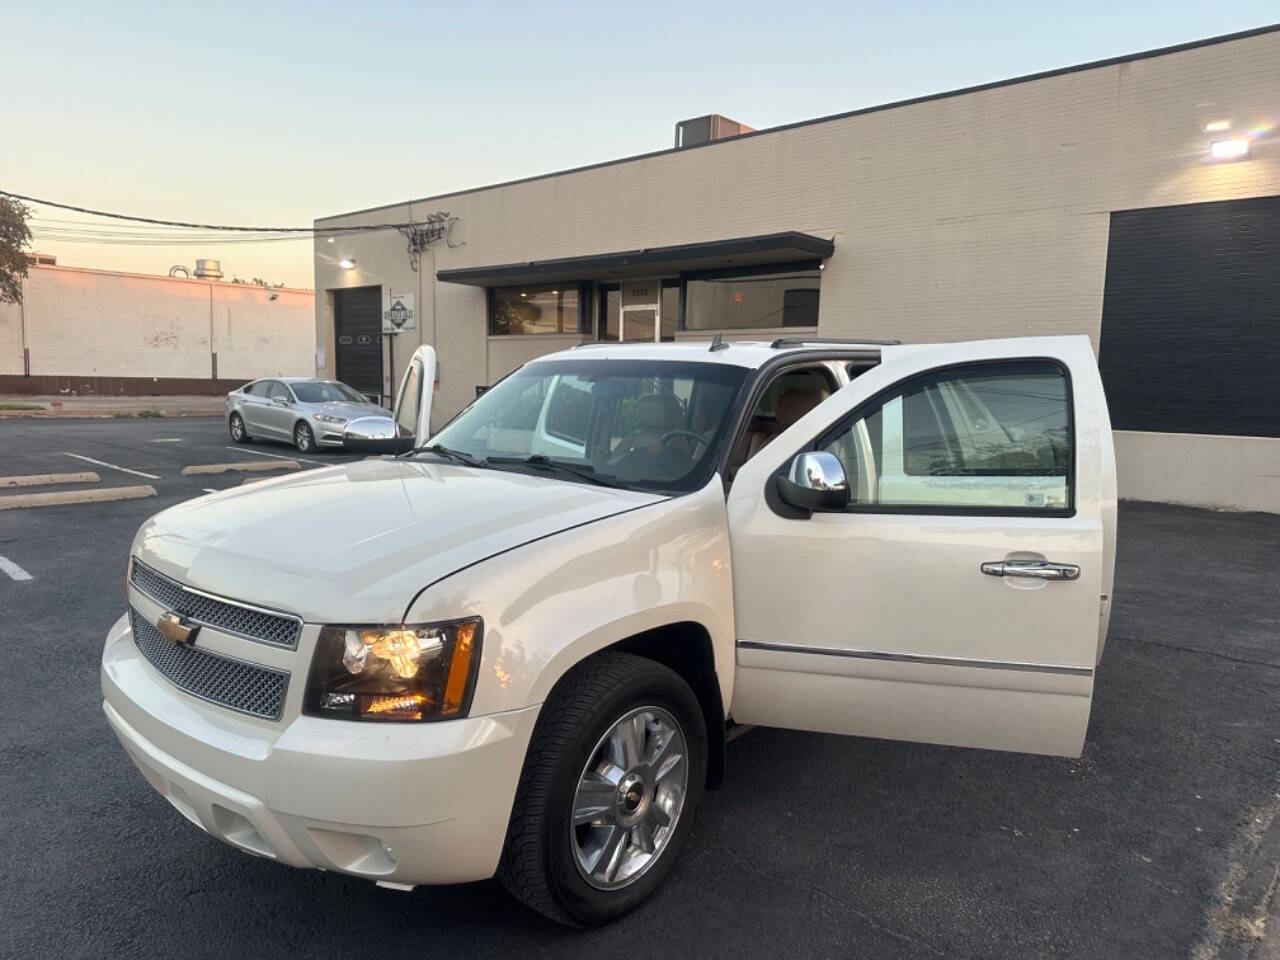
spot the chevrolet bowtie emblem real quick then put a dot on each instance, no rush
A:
(175, 629)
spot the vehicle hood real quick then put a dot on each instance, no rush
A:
(346, 409)
(356, 543)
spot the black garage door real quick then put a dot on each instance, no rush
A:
(1191, 319)
(357, 323)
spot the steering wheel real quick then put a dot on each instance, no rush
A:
(696, 437)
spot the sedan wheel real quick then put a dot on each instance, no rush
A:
(238, 433)
(303, 438)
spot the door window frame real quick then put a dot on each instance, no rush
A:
(288, 394)
(898, 388)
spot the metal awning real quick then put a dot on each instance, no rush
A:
(773, 248)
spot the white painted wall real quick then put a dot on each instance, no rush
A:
(94, 323)
(979, 215)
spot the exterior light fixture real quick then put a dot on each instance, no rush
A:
(346, 263)
(1232, 149)
(331, 239)
(1217, 126)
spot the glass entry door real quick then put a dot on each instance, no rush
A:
(641, 306)
(639, 311)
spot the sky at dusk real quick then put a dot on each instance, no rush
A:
(275, 113)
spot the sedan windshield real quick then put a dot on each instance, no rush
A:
(323, 391)
(636, 423)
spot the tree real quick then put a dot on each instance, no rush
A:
(14, 235)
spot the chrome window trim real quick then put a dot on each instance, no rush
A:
(284, 694)
(1057, 668)
(220, 599)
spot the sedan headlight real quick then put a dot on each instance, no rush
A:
(326, 418)
(425, 672)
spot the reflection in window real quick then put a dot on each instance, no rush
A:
(782, 298)
(995, 436)
(533, 310)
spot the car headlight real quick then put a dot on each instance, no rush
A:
(413, 672)
(326, 418)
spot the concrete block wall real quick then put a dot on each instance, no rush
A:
(115, 332)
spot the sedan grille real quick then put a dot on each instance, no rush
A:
(245, 687)
(251, 623)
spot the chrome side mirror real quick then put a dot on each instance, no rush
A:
(815, 481)
(376, 435)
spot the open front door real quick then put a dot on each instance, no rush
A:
(413, 399)
(958, 598)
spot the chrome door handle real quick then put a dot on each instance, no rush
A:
(1034, 569)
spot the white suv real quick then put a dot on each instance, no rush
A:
(517, 648)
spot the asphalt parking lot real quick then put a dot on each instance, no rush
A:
(1153, 844)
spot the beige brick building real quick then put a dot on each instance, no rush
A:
(1104, 199)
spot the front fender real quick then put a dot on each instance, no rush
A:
(549, 604)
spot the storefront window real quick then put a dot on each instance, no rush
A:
(731, 301)
(532, 310)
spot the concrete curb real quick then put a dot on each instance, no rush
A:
(100, 414)
(20, 500)
(43, 479)
(247, 466)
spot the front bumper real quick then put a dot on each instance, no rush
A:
(399, 803)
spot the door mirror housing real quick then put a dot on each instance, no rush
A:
(815, 480)
(376, 435)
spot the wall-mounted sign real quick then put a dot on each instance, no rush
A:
(397, 312)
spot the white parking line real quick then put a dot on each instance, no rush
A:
(275, 456)
(103, 463)
(14, 571)
(167, 440)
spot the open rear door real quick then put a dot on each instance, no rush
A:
(957, 598)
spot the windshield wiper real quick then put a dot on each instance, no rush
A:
(457, 456)
(542, 462)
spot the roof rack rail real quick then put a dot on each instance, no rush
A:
(823, 341)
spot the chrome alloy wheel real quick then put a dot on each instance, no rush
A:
(237, 427)
(629, 798)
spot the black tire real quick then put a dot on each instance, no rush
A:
(303, 438)
(240, 435)
(538, 864)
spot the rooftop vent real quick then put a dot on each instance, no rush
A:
(208, 269)
(700, 130)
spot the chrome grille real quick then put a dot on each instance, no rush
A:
(277, 629)
(244, 687)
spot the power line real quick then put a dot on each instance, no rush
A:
(313, 231)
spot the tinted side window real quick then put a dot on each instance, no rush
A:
(258, 389)
(410, 401)
(993, 435)
(278, 391)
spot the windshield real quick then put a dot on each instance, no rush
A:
(323, 391)
(636, 423)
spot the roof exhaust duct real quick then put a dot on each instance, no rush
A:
(209, 269)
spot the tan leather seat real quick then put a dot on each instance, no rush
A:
(792, 405)
(656, 414)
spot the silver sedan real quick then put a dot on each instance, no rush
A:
(308, 413)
